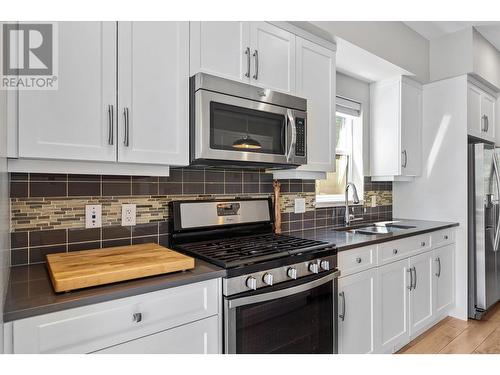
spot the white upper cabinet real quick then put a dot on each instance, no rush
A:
(258, 53)
(396, 127)
(316, 82)
(153, 92)
(221, 48)
(76, 121)
(480, 113)
(357, 310)
(273, 55)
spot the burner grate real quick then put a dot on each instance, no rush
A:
(237, 251)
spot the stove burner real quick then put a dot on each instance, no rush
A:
(238, 251)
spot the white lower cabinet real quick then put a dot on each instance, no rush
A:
(394, 305)
(386, 301)
(183, 319)
(357, 307)
(444, 275)
(200, 337)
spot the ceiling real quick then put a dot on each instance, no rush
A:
(435, 29)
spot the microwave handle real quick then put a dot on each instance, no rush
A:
(291, 121)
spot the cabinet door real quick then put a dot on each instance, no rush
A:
(421, 296)
(394, 304)
(444, 271)
(273, 57)
(411, 125)
(474, 111)
(488, 115)
(221, 48)
(358, 329)
(200, 337)
(73, 122)
(316, 82)
(153, 97)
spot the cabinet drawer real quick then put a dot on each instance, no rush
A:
(442, 237)
(90, 328)
(356, 260)
(399, 249)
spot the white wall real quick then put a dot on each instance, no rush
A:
(392, 41)
(486, 61)
(358, 91)
(440, 193)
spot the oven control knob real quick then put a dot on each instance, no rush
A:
(325, 265)
(251, 283)
(314, 267)
(292, 273)
(268, 279)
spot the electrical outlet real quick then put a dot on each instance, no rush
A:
(93, 217)
(300, 205)
(374, 201)
(128, 214)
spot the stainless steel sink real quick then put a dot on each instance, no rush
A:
(375, 228)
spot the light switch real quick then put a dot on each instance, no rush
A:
(300, 205)
(93, 217)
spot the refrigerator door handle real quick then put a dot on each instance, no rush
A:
(497, 176)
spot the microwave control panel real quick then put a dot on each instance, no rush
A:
(300, 145)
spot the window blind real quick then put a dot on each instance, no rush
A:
(348, 107)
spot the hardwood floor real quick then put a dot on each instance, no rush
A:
(454, 336)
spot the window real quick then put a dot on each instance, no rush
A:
(349, 156)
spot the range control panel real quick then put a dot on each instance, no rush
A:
(300, 146)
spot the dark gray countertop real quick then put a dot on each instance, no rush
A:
(30, 290)
(346, 240)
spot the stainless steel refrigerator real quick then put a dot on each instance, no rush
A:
(484, 228)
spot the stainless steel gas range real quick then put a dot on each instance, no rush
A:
(280, 291)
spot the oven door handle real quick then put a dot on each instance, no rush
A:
(282, 292)
(293, 140)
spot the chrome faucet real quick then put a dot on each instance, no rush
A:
(355, 199)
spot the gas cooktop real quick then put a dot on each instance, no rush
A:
(241, 250)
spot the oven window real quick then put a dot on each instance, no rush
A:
(242, 129)
(299, 324)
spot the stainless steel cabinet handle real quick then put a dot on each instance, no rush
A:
(247, 52)
(409, 287)
(111, 124)
(256, 55)
(395, 251)
(415, 280)
(137, 317)
(405, 162)
(126, 138)
(486, 123)
(342, 316)
(438, 273)
(445, 237)
(358, 260)
(422, 243)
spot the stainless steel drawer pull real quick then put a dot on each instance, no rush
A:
(395, 251)
(358, 260)
(445, 237)
(422, 243)
(342, 316)
(137, 317)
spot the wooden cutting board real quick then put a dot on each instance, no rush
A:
(82, 269)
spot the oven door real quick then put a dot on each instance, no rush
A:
(299, 318)
(222, 121)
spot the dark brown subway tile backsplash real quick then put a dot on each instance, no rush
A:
(47, 210)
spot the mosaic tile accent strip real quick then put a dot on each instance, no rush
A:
(287, 202)
(383, 198)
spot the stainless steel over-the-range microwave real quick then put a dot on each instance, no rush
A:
(236, 124)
